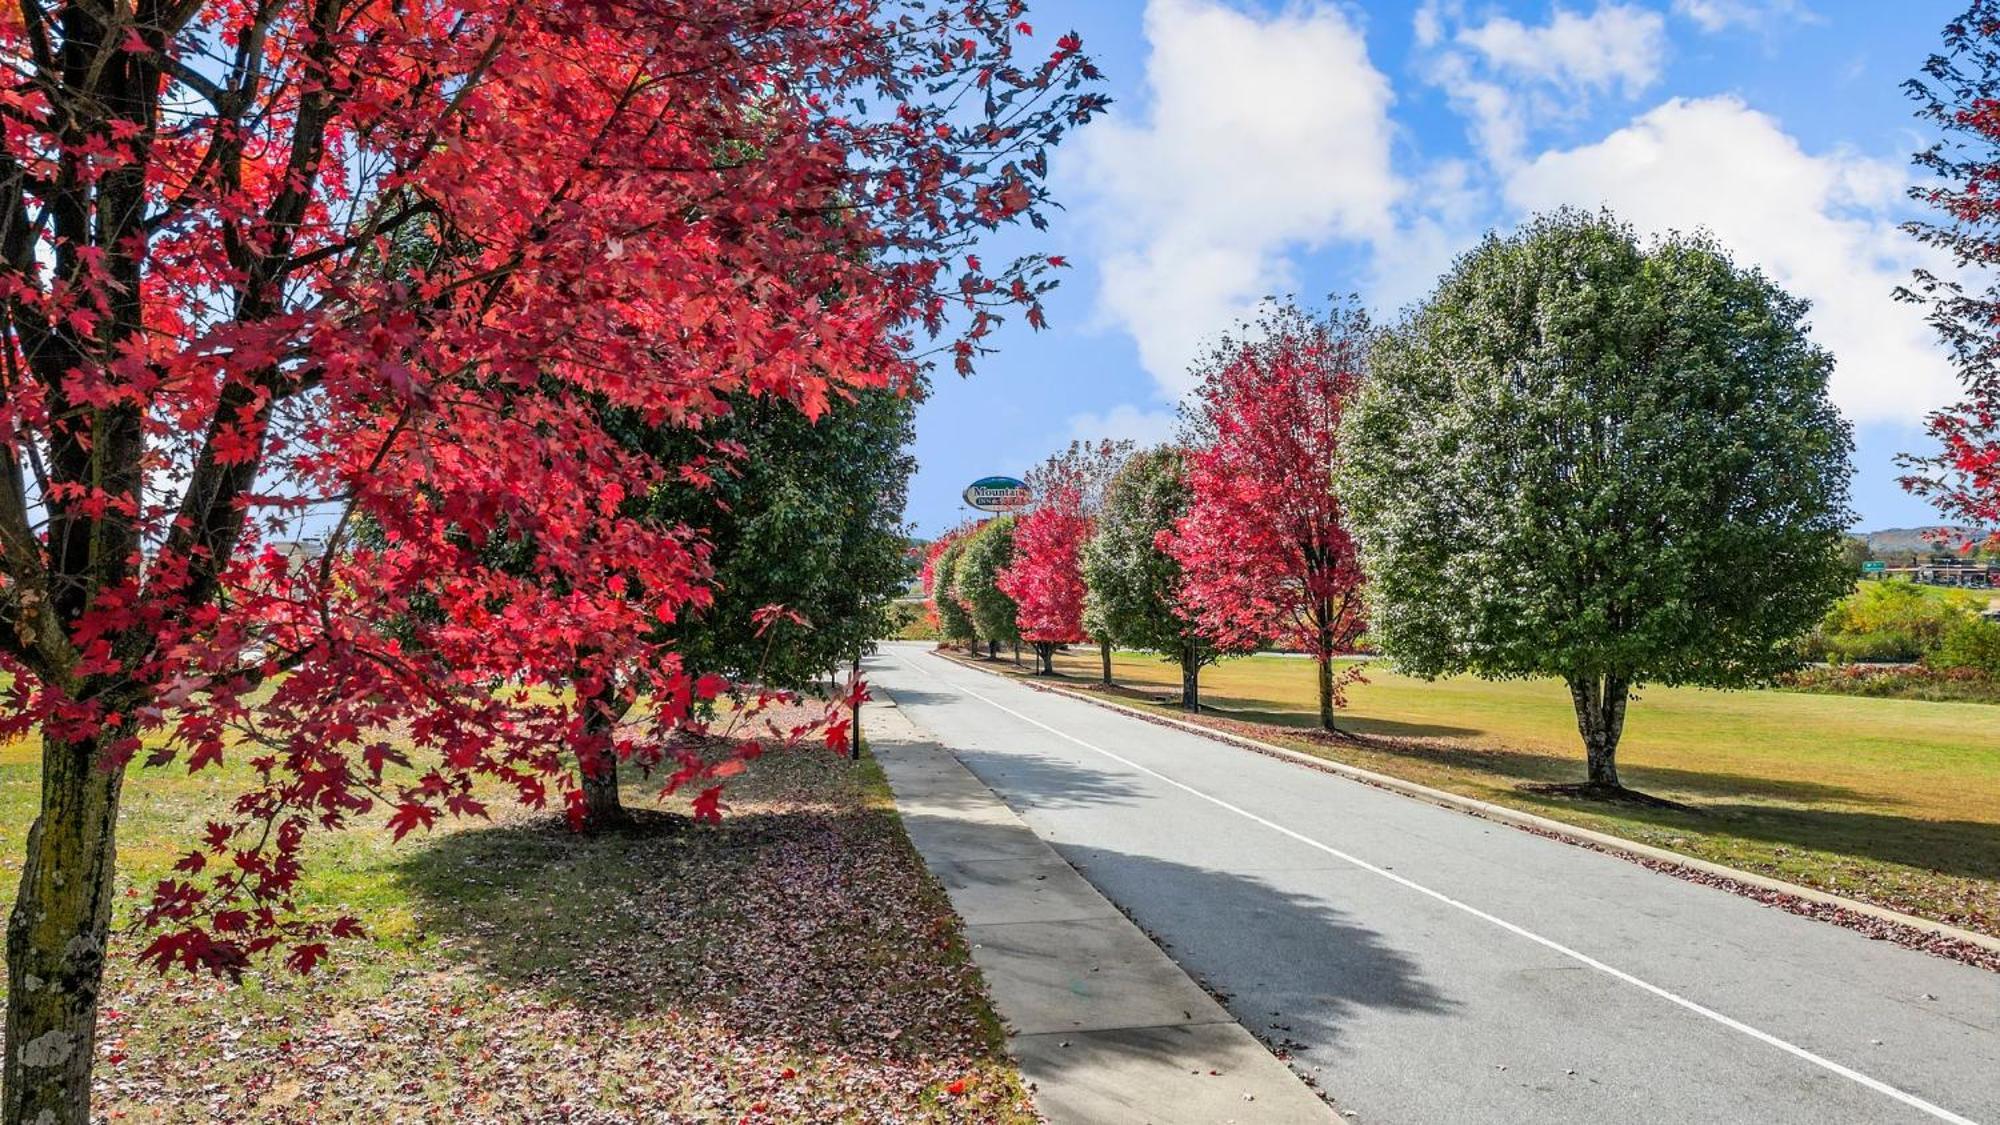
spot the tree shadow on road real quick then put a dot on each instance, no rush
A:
(1028, 780)
(1276, 948)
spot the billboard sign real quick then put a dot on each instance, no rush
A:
(997, 494)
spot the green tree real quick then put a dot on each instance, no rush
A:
(1971, 642)
(1134, 587)
(1854, 551)
(806, 514)
(954, 622)
(809, 517)
(1608, 463)
(988, 551)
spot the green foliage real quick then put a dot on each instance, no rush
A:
(988, 551)
(1134, 587)
(954, 622)
(1971, 643)
(1584, 458)
(1889, 620)
(1854, 551)
(909, 622)
(810, 519)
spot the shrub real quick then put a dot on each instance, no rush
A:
(1886, 621)
(1938, 685)
(1972, 643)
(910, 621)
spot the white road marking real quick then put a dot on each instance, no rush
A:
(1793, 1049)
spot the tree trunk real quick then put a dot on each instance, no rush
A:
(1326, 694)
(1104, 654)
(1045, 658)
(597, 762)
(1600, 718)
(1190, 679)
(992, 650)
(56, 936)
(854, 735)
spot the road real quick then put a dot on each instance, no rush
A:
(1430, 967)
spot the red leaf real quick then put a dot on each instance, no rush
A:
(411, 816)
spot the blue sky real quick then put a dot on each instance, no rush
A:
(1260, 147)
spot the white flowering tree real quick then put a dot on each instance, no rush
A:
(1601, 461)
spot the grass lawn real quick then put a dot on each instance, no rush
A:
(795, 964)
(1893, 801)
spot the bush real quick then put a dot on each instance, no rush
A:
(1973, 643)
(1886, 621)
(911, 621)
(1937, 685)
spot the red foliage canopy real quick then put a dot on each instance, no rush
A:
(1959, 94)
(1263, 552)
(287, 265)
(1046, 578)
(929, 575)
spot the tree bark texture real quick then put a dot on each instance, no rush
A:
(597, 761)
(1600, 718)
(56, 937)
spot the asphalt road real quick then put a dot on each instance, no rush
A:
(1430, 967)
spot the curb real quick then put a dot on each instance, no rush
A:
(1670, 862)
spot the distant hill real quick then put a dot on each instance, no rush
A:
(1892, 541)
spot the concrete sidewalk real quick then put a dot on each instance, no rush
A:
(1102, 1022)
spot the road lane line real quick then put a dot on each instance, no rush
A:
(1793, 1049)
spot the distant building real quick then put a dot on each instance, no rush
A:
(1960, 571)
(299, 552)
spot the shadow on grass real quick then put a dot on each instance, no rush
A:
(815, 928)
(1519, 768)
(1412, 742)
(1958, 848)
(1246, 710)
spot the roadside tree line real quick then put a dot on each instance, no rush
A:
(1585, 456)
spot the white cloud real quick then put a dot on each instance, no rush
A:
(1143, 426)
(1135, 424)
(1264, 135)
(1721, 15)
(1823, 226)
(1507, 77)
(1450, 207)
(1616, 45)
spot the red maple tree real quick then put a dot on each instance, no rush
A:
(1263, 552)
(319, 264)
(1046, 578)
(1959, 94)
